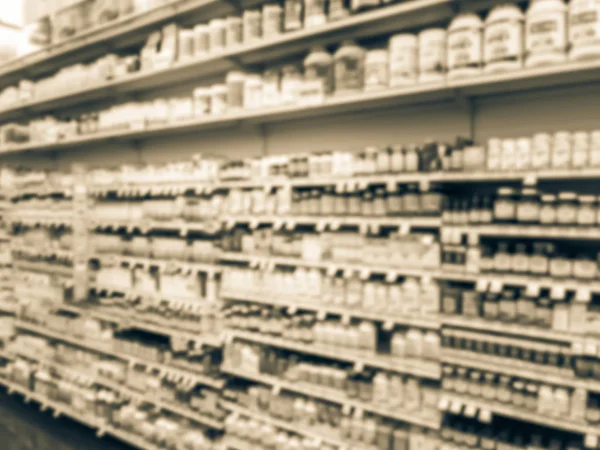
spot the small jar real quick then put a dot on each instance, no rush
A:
(504, 391)
(376, 70)
(252, 25)
(394, 202)
(411, 158)
(338, 9)
(397, 159)
(528, 207)
(328, 200)
(531, 397)
(546, 33)
(367, 203)
(585, 267)
(539, 262)
(465, 46)
(503, 39)
(520, 259)
(253, 91)
(526, 309)
(272, 20)
(293, 12)
(314, 13)
(202, 96)
(349, 68)
(561, 150)
(318, 74)
(471, 304)
(489, 391)
(541, 151)
(235, 34)
(584, 29)
(379, 202)
(201, 40)
(217, 36)
(186, 45)
(580, 150)
(502, 258)
(403, 60)
(354, 202)
(432, 55)
(491, 307)
(235, 89)
(271, 94)
(561, 266)
(543, 313)
(475, 383)
(411, 200)
(218, 99)
(567, 208)
(291, 83)
(518, 394)
(507, 308)
(548, 209)
(588, 210)
(505, 206)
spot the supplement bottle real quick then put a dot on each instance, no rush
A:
(584, 29)
(349, 68)
(546, 33)
(503, 39)
(403, 59)
(465, 49)
(432, 55)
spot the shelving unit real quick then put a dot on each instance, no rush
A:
(246, 288)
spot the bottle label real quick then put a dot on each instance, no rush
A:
(376, 75)
(464, 48)
(293, 15)
(432, 56)
(503, 41)
(403, 65)
(348, 74)
(546, 32)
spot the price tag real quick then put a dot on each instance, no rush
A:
(591, 440)
(334, 225)
(290, 225)
(455, 406)
(347, 273)
(351, 186)
(532, 290)
(530, 179)
(340, 187)
(292, 309)
(359, 366)
(577, 347)
(183, 231)
(226, 338)
(424, 185)
(485, 416)
(277, 224)
(482, 285)
(557, 293)
(404, 228)
(583, 295)
(391, 276)
(321, 314)
(267, 188)
(253, 224)
(365, 274)
(363, 228)
(345, 319)
(470, 411)
(388, 325)
(56, 414)
(496, 286)
(346, 409)
(590, 347)
(374, 228)
(276, 389)
(358, 412)
(321, 225)
(391, 186)
(444, 404)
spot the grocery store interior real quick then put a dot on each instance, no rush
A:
(299, 224)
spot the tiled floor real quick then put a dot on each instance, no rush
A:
(24, 427)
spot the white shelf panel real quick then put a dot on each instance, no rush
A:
(563, 74)
(393, 18)
(521, 414)
(333, 396)
(107, 350)
(386, 317)
(415, 367)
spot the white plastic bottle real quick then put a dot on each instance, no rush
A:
(432, 55)
(546, 33)
(465, 49)
(584, 29)
(503, 39)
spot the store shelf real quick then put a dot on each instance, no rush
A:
(293, 427)
(144, 262)
(107, 350)
(364, 269)
(44, 267)
(209, 226)
(416, 367)
(412, 14)
(396, 413)
(125, 31)
(532, 231)
(518, 369)
(68, 411)
(387, 318)
(508, 329)
(561, 423)
(125, 321)
(524, 79)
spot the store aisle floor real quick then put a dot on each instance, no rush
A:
(25, 427)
